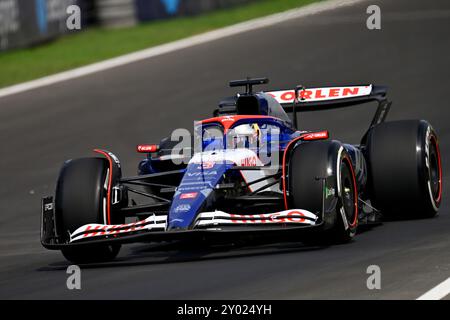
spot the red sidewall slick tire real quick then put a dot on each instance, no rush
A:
(405, 171)
(325, 159)
(80, 196)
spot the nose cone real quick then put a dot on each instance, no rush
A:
(194, 194)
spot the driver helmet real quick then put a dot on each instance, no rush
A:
(245, 136)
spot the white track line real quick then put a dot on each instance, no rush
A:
(438, 292)
(258, 23)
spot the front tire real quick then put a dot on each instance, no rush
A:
(309, 163)
(79, 200)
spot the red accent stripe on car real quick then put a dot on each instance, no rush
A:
(108, 194)
(283, 175)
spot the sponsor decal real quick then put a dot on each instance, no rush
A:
(206, 165)
(278, 217)
(146, 148)
(316, 136)
(321, 94)
(189, 195)
(199, 178)
(198, 174)
(183, 208)
(100, 230)
(292, 216)
(329, 192)
(227, 119)
(95, 230)
(249, 162)
(199, 185)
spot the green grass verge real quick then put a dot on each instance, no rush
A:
(96, 44)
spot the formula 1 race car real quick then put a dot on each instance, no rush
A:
(249, 170)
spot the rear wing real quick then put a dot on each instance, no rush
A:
(303, 99)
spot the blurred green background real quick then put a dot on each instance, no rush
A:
(95, 42)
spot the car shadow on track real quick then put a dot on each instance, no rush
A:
(178, 252)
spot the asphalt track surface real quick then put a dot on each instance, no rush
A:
(143, 101)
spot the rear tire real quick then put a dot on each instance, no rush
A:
(80, 194)
(405, 173)
(325, 159)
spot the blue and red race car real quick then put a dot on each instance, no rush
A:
(249, 170)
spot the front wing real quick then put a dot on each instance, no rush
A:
(154, 228)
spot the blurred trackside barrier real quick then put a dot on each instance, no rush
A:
(118, 13)
(25, 23)
(160, 9)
